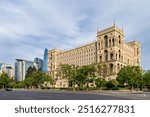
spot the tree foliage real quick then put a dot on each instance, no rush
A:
(100, 82)
(131, 76)
(30, 71)
(5, 80)
(112, 84)
(146, 79)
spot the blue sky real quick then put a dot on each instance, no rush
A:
(29, 26)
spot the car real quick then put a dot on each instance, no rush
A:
(8, 89)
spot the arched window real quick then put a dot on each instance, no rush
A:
(111, 68)
(106, 55)
(106, 40)
(119, 41)
(100, 58)
(119, 54)
(137, 51)
(118, 66)
(137, 61)
(113, 41)
(111, 56)
(109, 42)
(99, 45)
(121, 65)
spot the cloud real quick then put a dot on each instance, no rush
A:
(27, 27)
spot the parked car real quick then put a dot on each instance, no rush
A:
(8, 89)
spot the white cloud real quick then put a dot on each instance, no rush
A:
(27, 27)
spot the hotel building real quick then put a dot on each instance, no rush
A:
(110, 48)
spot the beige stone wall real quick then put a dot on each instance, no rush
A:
(84, 55)
(109, 48)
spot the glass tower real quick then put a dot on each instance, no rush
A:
(45, 61)
(38, 63)
(21, 67)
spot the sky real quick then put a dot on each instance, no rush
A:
(27, 27)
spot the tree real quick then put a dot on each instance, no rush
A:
(30, 71)
(85, 75)
(28, 82)
(36, 78)
(5, 80)
(102, 70)
(112, 84)
(100, 82)
(66, 71)
(146, 79)
(39, 78)
(130, 75)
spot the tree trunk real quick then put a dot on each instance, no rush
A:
(132, 88)
(74, 89)
(100, 89)
(87, 86)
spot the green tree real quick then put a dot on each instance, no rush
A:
(5, 80)
(102, 70)
(130, 75)
(39, 78)
(112, 84)
(30, 71)
(85, 75)
(28, 82)
(100, 82)
(66, 71)
(146, 79)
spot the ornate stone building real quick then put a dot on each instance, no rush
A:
(110, 48)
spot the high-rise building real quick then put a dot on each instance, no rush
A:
(21, 67)
(38, 63)
(45, 61)
(110, 48)
(7, 68)
(1, 67)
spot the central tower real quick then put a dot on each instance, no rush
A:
(110, 48)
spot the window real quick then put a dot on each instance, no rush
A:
(113, 41)
(99, 45)
(111, 56)
(137, 51)
(109, 42)
(119, 54)
(106, 55)
(106, 40)
(100, 58)
(118, 66)
(111, 68)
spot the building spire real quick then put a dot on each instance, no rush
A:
(114, 22)
(134, 38)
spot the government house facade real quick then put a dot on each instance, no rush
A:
(109, 48)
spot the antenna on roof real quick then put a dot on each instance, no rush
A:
(114, 22)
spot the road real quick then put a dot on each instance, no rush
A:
(68, 95)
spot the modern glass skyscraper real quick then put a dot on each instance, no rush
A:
(1, 67)
(45, 61)
(21, 67)
(38, 63)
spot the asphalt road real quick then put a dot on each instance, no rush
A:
(65, 95)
